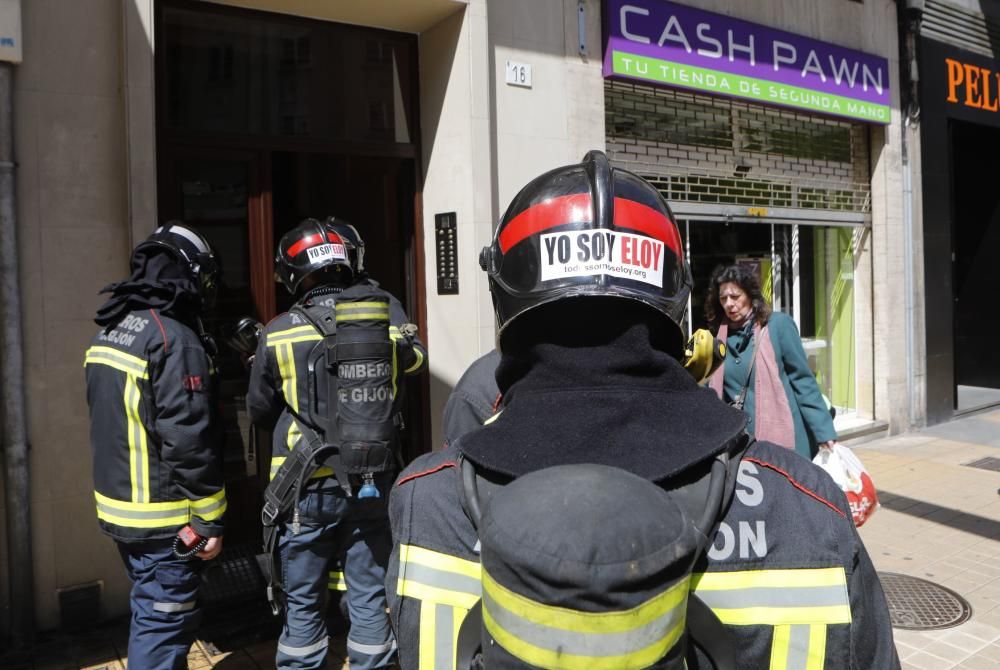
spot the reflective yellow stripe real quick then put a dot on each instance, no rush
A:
(410, 553)
(301, 338)
(492, 418)
(286, 369)
(210, 508)
(420, 361)
(138, 454)
(159, 514)
(433, 577)
(322, 471)
(587, 622)
(817, 647)
(779, 648)
(798, 647)
(361, 306)
(279, 336)
(439, 626)
(428, 634)
(291, 440)
(337, 582)
(557, 637)
(447, 587)
(360, 316)
(119, 360)
(142, 515)
(776, 597)
(748, 579)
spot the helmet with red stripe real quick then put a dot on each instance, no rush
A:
(333, 246)
(587, 230)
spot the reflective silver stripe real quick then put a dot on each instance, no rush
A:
(584, 643)
(798, 647)
(187, 235)
(792, 596)
(304, 651)
(174, 607)
(198, 510)
(444, 645)
(442, 579)
(371, 649)
(136, 514)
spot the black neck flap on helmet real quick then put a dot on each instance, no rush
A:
(174, 270)
(332, 246)
(587, 230)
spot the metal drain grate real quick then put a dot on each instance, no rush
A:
(988, 463)
(917, 604)
(235, 576)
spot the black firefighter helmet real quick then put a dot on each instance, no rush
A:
(333, 245)
(587, 230)
(192, 251)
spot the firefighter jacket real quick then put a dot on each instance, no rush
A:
(155, 434)
(787, 573)
(474, 399)
(280, 382)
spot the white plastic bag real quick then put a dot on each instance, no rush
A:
(852, 478)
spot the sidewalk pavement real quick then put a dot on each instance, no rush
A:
(939, 521)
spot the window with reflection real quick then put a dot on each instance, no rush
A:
(243, 73)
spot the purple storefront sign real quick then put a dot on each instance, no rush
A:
(660, 42)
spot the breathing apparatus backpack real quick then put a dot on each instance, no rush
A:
(593, 561)
(355, 423)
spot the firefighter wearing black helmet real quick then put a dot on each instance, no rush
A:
(338, 515)
(590, 286)
(156, 440)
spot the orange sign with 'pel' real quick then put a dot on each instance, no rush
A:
(973, 86)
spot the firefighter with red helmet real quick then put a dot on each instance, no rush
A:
(752, 547)
(156, 438)
(327, 382)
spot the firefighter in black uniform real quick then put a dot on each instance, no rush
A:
(319, 260)
(590, 287)
(156, 439)
(474, 399)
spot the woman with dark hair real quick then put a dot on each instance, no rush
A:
(766, 373)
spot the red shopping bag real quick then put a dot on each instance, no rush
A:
(852, 478)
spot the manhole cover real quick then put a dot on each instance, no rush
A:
(988, 463)
(917, 604)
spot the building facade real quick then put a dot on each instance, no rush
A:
(955, 129)
(419, 120)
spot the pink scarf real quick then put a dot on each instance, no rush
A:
(772, 414)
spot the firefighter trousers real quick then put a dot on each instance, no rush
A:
(357, 533)
(165, 613)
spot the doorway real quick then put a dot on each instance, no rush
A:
(805, 271)
(264, 120)
(976, 245)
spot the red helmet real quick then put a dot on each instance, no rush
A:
(587, 230)
(316, 245)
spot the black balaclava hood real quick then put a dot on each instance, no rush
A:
(159, 280)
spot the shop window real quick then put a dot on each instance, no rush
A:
(806, 272)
